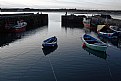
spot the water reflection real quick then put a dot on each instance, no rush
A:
(72, 25)
(49, 50)
(5, 39)
(86, 30)
(99, 54)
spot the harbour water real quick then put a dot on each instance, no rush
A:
(23, 59)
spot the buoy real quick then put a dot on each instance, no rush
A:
(83, 45)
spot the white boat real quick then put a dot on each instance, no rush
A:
(86, 22)
(21, 26)
(115, 28)
(93, 43)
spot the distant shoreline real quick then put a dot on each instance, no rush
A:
(60, 10)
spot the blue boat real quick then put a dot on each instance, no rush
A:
(93, 43)
(116, 29)
(50, 42)
(105, 31)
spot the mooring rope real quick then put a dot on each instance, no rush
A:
(52, 69)
(109, 71)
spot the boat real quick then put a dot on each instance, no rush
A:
(100, 54)
(115, 28)
(105, 31)
(50, 42)
(90, 23)
(20, 27)
(93, 43)
(86, 22)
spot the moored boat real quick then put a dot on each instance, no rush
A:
(86, 22)
(105, 31)
(50, 42)
(115, 28)
(20, 27)
(93, 43)
(89, 23)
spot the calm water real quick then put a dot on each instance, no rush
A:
(23, 59)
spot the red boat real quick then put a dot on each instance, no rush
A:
(88, 24)
(20, 27)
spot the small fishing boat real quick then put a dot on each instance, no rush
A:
(20, 27)
(105, 31)
(93, 43)
(86, 22)
(50, 42)
(115, 28)
(89, 24)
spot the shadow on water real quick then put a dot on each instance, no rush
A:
(71, 25)
(49, 50)
(7, 38)
(99, 54)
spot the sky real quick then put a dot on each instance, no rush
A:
(78, 4)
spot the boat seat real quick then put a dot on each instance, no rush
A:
(50, 41)
(100, 44)
(87, 38)
(91, 41)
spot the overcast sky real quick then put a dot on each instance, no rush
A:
(79, 4)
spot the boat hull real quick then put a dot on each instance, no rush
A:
(95, 47)
(17, 30)
(108, 35)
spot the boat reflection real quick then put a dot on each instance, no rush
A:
(99, 54)
(49, 50)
